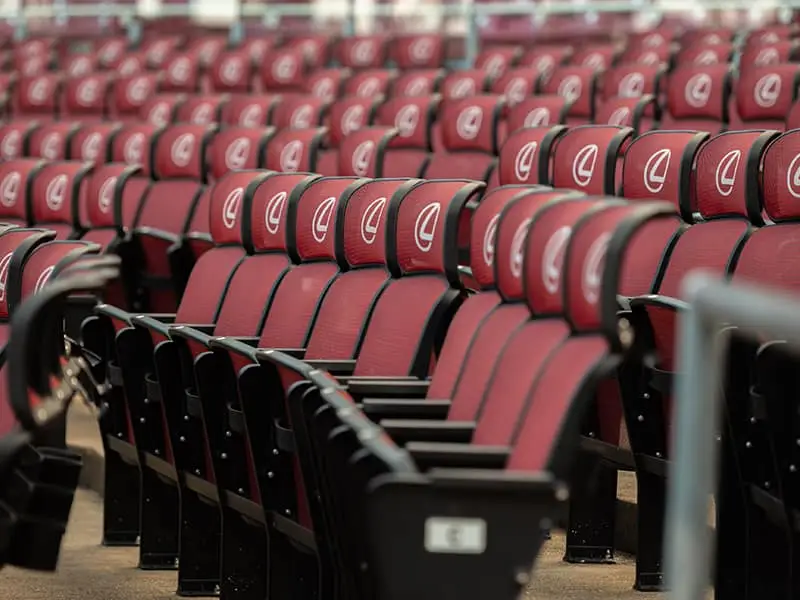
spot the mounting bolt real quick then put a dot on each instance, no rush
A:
(275, 451)
(270, 474)
(182, 439)
(748, 445)
(228, 434)
(640, 418)
(141, 420)
(646, 396)
(223, 456)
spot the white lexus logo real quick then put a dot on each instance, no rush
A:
(301, 117)
(32, 66)
(793, 177)
(369, 87)
(230, 209)
(468, 125)
(545, 64)
(50, 145)
(524, 161)
(769, 38)
(106, 195)
(553, 259)
(362, 52)
(132, 151)
(159, 114)
(705, 58)
(594, 61)
(230, 71)
(202, 114)
(407, 119)
(570, 88)
(620, 117)
(538, 117)
(463, 88)
(494, 65)
(4, 267)
(138, 90)
(653, 40)
(111, 51)
(767, 90)
(656, 169)
(43, 277)
(489, 240)
(129, 66)
(767, 56)
(182, 149)
(79, 67)
(712, 39)
(583, 165)
(425, 226)
(9, 189)
(180, 70)
(323, 88)
(236, 154)
(631, 86)
(90, 149)
(352, 119)
(362, 157)
(418, 86)
(38, 91)
(250, 116)
(157, 52)
(516, 90)
(517, 248)
(592, 268)
(420, 50)
(726, 172)
(56, 192)
(291, 155)
(371, 220)
(698, 90)
(274, 212)
(649, 58)
(10, 144)
(285, 68)
(322, 219)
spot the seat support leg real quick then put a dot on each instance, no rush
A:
(158, 545)
(651, 503)
(199, 557)
(244, 558)
(120, 501)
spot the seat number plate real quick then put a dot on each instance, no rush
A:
(445, 535)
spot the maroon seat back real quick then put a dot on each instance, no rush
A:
(577, 85)
(698, 98)
(641, 114)
(586, 158)
(16, 182)
(327, 84)
(633, 81)
(248, 110)
(363, 152)
(284, 70)
(704, 55)
(464, 84)
(12, 138)
(90, 143)
(422, 253)
(37, 95)
(87, 97)
(237, 149)
(79, 65)
(16, 245)
(538, 111)
(130, 93)
(132, 145)
(417, 83)
(299, 112)
(181, 73)
(362, 51)
(293, 150)
(369, 83)
(764, 96)
(526, 156)
(545, 58)
(232, 71)
(345, 116)
(595, 56)
(409, 152)
(200, 110)
(516, 84)
(50, 140)
(316, 48)
(424, 51)
(763, 55)
(496, 60)
(161, 109)
(56, 195)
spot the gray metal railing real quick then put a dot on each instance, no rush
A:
(693, 472)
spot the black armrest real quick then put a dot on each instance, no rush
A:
(113, 312)
(658, 301)
(196, 333)
(404, 387)
(458, 456)
(334, 367)
(153, 323)
(403, 431)
(402, 408)
(244, 346)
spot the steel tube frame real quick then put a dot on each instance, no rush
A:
(693, 472)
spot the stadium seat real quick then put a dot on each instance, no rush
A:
(516, 84)
(698, 98)
(495, 61)
(294, 150)
(344, 117)
(231, 72)
(91, 142)
(249, 110)
(87, 97)
(369, 83)
(161, 109)
(595, 56)
(55, 196)
(201, 110)
(237, 149)
(586, 158)
(37, 96)
(363, 153)
(300, 112)
(407, 155)
(327, 84)
(418, 83)
(417, 52)
(129, 94)
(764, 96)
(577, 85)
(464, 83)
(50, 140)
(283, 70)
(641, 114)
(538, 111)
(362, 51)
(527, 154)
(16, 181)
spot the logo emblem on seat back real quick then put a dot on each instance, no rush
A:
(518, 248)
(489, 240)
(425, 226)
(236, 154)
(87, 92)
(726, 172)
(570, 88)
(362, 157)
(230, 209)
(137, 90)
(202, 114)
(620, 117)
(250, 116)
(553, 259)
(50, 145)
(90, 149)
(768, 90)
(631, 86)
(230, 72)
(56, 192)
(274, 212)
(180, 70)
(323, 88)
(371, 220)
(524, 161)
(656, 169)
(9, 189)
(369, 87)
(407, 119)
(516, 90)
(5, 264)
(106, 195)
(10, 145)
(698, 90)
(462, 88)
(592, 268)
(132, 151)
(793, 177)
(291, 155)
(43, 277)
(583, 165)
(468, 125)
(182, 149)
(322, 219)
(767, 56)
(285, 68)
(301, 117)
(417, 86)
(352, 119)
(538, 117)
(420, 50)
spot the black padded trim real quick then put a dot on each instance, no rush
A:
(114, 373)
(284, 438)
(236, 420)
(194, 407)
(152, 389)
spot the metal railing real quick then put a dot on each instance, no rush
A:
(693, 473)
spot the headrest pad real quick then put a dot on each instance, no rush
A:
(767, 92)
(727, 175)
(597, 56)
(412, 117)
(293, 150)
(249, 111)
(424, 51)
(200, 110)
(326, 83)
(704, 55)
(131, 93)
(471, 123)
(348, 115)
(87, 94)
(516, 84)
(273, 212)
(464, 83)
(699, 92)
(179, 152)
(237, 149)
(632, 81)
(56, 192)
(12, 138)
(49, 140)
(365, 222)
(284, 69)
(317, 213)
(16, 179)
(361, 154)
(526, 154)
(369, 84)
(362, 52)
(426, 217)
(577, 85)
(231, 70)
(299, 112)
(781, 178)
(132, 145)
(229, 199)
(538, 111)
(417, 83)
(586, 158)
(39, 93)
(90, 142)
(103, 200)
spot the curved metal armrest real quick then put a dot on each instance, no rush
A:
(194, 332)
(244, 346)
(153, 322)
(659, 302)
